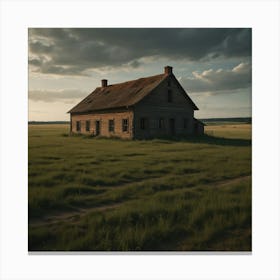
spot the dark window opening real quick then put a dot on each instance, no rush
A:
(169, 83)
(125, 125)
(97, 127)
(78, 126)
(143, 123)
(170, 97)
(161, 123)
(87, 125)
(111, 126)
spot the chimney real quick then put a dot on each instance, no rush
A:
(104, 83)
(167, 70)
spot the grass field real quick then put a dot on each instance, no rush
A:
(87, 194)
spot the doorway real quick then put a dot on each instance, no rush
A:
(97, 128)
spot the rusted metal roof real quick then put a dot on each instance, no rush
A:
(120, 95)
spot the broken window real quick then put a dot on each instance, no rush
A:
(111, 126)
(125, 125)
(78, 126)
(143, 123)
(87, 125)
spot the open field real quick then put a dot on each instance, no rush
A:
(162, 194)
(242, 131)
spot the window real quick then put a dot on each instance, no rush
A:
(186, 121)
(78, 126)
(169, 97)
(143, 123)
(87, 125)
(125, 125)
(161, 123)
(111, 126)
(97, 127)
(168, 83)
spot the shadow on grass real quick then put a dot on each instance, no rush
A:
(207, 139)
(204, 139)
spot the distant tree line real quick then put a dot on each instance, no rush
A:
(247, 120)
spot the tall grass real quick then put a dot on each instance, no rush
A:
(165, 194)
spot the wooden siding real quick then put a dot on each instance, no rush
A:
(156, 106)
(104, 118)
(198, 128)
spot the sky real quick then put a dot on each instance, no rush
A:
(212, 64)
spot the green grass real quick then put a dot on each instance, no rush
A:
(162, 194)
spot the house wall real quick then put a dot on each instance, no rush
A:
(156, 106)
(199, 128)
(104, 123)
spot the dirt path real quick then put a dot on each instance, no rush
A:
(230, 181)
(72, 216)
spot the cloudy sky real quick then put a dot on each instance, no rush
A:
(212, 64)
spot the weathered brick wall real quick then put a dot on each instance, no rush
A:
(104, 123)
(156, 106)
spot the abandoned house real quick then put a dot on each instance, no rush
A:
(155, 106)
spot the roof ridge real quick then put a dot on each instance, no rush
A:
(118, 95)
(130, 81)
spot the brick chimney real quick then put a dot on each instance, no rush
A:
(167, 70)
(104, 83)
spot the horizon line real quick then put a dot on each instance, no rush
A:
(196, 118)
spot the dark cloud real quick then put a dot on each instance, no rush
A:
(35, 61)
(134, 64)
(66, 95)
(39, 47)
(73, 51)
(219, 81)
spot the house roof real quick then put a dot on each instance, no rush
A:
(121, 95)
(199, 121)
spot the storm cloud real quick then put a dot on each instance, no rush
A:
(74, 51)
(219, 81)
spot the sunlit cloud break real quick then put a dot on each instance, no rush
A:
(219, 80)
